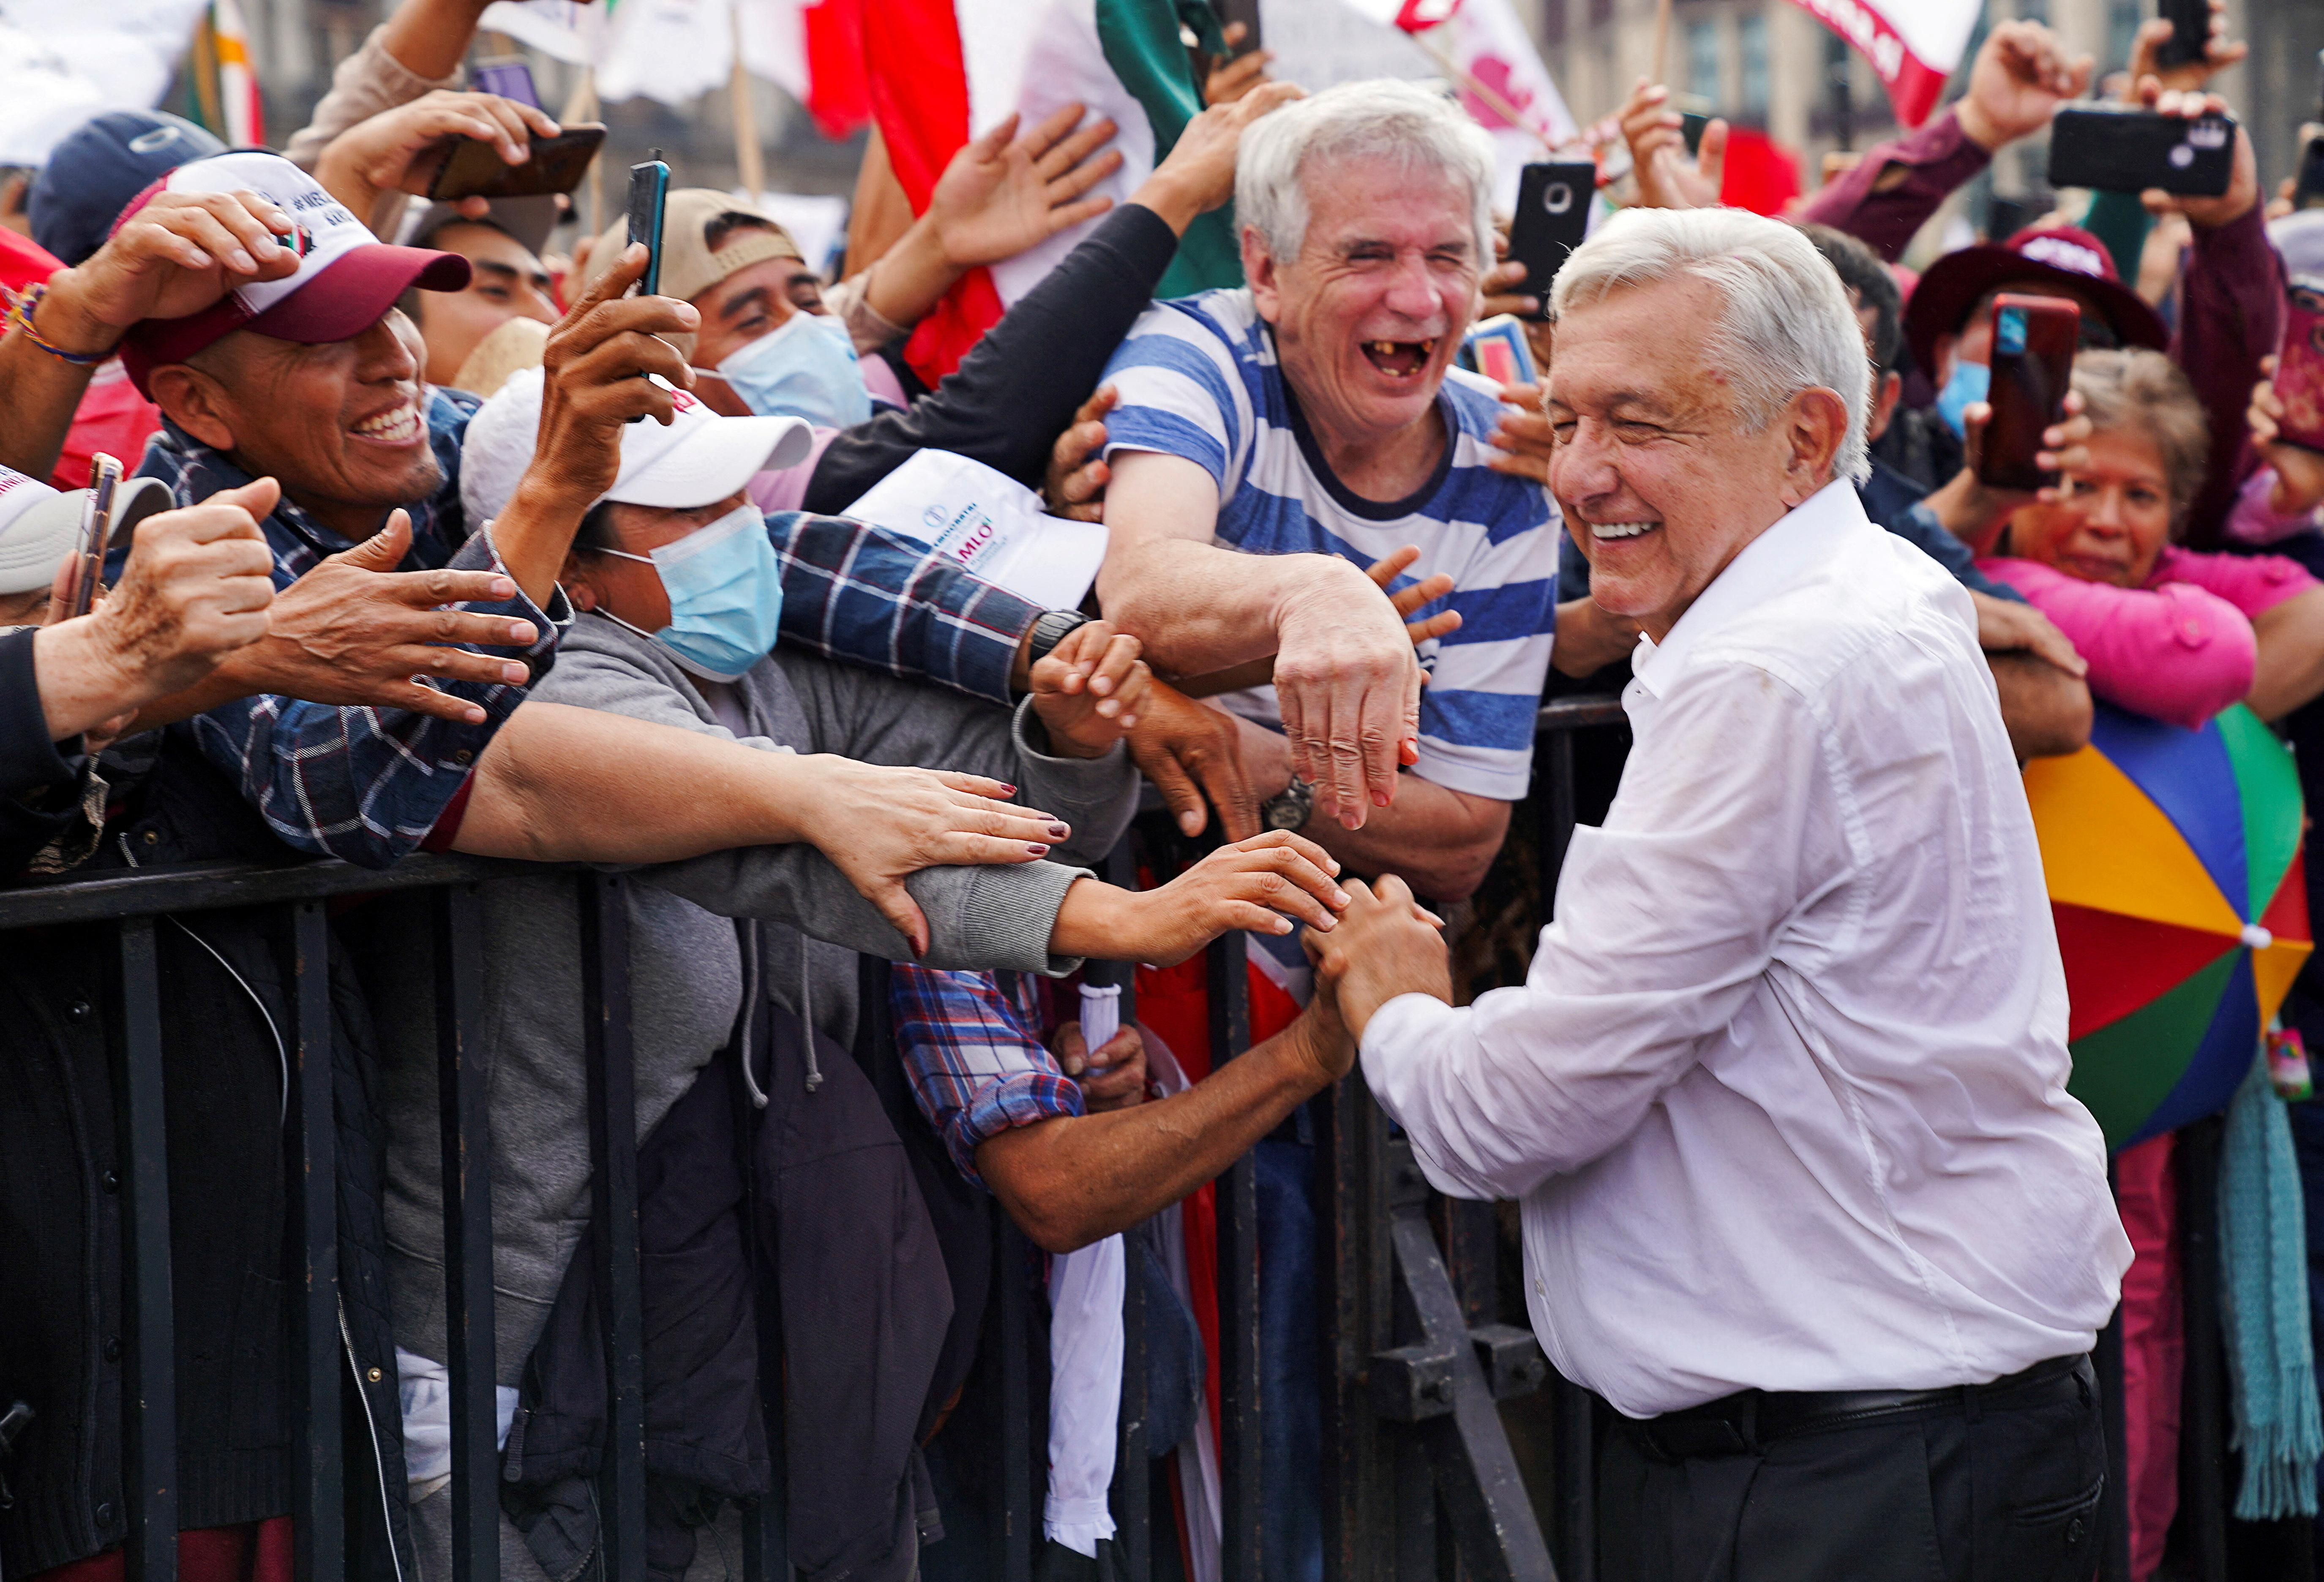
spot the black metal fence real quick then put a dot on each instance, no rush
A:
(1421, 1348)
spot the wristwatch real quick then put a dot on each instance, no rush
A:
(1050, 628)
(1290, 808)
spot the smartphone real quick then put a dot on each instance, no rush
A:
(1690, 124)
(2300, 368)
(2191, 31)
(2308, 192)
(474, 169)
(648, 189)
(2033, 341)
(2130, 151)
(508, 76)
(96, 532)
(1553, 216)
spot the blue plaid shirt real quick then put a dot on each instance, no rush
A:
(363, 784)
(368, 785)
(971, 1046)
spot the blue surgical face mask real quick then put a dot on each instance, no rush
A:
(806, 369)
(726, 591)
(1969, 381)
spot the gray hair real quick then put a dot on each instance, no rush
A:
(1787, 326)
(1389, 119)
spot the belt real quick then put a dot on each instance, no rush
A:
(1750, 1419)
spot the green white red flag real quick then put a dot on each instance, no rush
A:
(1913, 44)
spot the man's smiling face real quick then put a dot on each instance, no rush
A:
(1660, 484)
(1368, 316)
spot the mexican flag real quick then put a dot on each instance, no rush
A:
(1912, 44)
(942, 71)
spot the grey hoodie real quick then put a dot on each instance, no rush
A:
(688, 970)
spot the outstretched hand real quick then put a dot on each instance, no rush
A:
(879, 825)
(1002, 193)
(1385, 944)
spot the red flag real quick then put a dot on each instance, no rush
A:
(1912, 44)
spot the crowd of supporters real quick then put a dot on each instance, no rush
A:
(446, 542)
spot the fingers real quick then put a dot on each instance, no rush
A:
(1237, 77)
(1047, 138)
(1380, 727)
(1390, 566)
(1426, 591)
(976, 784)
(1710, 154)
(1072, 1050)
(1061, 167)
(1169, 777)
(1072, 214)
(233, 230)
(960, 849)
(1110, 671)
(385, 549)
(894, 902)
(415, 697)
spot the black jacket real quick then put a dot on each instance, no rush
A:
(224, 978)
(825, 1226)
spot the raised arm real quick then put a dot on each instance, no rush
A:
(177, 255)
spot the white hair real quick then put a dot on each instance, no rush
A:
(1787, 326)
(1415, 127)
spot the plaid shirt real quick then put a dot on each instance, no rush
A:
(368, 785)
(970, 1046)
(363, 784)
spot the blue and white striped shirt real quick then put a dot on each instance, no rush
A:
(1198, 378)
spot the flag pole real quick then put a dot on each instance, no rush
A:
(747, 163)
(581, 105)
(1491, 99)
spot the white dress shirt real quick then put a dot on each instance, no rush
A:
(1784, 1093)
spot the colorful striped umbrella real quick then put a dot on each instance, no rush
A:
(2172, 858)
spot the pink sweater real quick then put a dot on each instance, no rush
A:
(2179, 649)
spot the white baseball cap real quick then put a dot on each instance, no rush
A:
(699, 459)
(41, 526)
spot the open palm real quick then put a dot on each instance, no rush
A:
(997, 196)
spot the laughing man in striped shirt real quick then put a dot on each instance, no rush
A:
(1270, 442)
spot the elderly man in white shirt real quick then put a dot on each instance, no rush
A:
(1783, 1094)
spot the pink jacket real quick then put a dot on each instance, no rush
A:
(2179, 649)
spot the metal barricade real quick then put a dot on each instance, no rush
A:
(1419, 1479)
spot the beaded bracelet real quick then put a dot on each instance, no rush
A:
(20, 320)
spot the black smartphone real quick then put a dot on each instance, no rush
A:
(2308, 192)
(648, 187)
(2034, 342)
(2130, 151)
(474, 168)
(1553, 215)
(508, 76)
(2191, 31)
(95, 533)
(1690, 124)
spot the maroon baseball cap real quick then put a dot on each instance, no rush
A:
(346, 278)
(2049, 255)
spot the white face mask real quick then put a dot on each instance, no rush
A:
(806, 369)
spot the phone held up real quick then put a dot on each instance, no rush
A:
(2034, 342)
(2300, 366)
(649, 194)
(474, 167)
(2191, 32)
(1553, 216)
(2130, 151)
(95, 533)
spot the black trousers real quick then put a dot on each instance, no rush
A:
(1973, 1492)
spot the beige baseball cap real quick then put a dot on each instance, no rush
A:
(688, 266)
